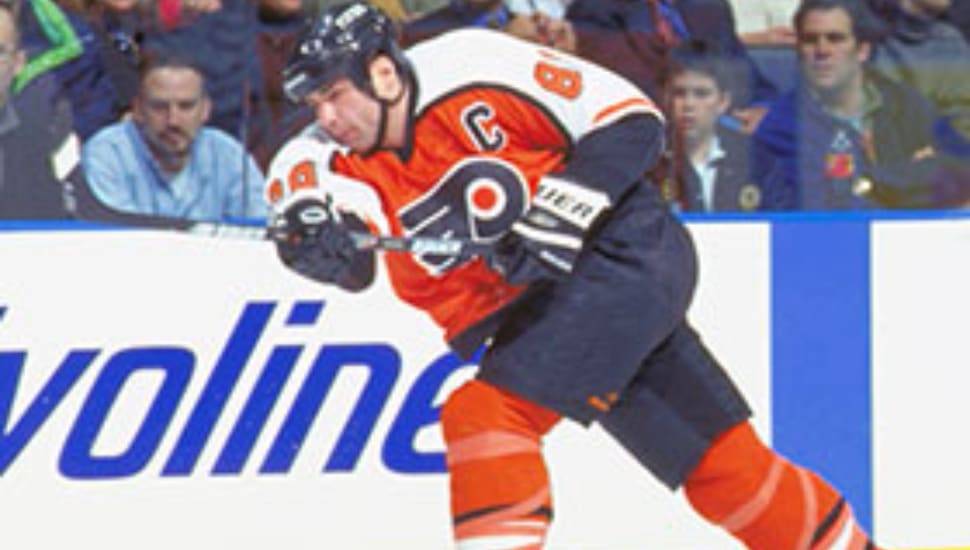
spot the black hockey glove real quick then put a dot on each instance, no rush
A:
(545, 242)
(312, 240)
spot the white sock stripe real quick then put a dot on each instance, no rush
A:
(533, 523)
(844, 539)
(503, 542)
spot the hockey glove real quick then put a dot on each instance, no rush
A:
(313, 240)
(545, 242)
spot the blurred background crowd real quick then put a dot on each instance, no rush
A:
(174, 108)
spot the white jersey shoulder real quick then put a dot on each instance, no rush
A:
(583, 96)
(304, 162)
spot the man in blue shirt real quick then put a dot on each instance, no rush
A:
(164, 161)
(847, 137)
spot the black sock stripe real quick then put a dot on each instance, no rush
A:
(476, 514)
(828, 521)
(542, 511)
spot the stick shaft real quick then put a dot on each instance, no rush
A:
(363, 241)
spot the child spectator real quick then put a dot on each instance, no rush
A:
(705, 164)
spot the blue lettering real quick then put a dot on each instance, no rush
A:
(384, 364)
(257, 409)
(81, 459)
(263, 397)
(417, 412)
(51, 395)
(219, 387)
(77, 459)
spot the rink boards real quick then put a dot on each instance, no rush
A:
(164, 391)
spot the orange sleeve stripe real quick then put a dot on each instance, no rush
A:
(613, 109)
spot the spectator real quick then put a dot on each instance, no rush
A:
(516, 17)
(63, 44)
(705, 166)
(396, 10)
(120, 27)
(33, 130)
(455, 14)
(765, 22)
(633, 37)
(223, 45)
(555, 9)
(176, 13)
(928, 53)
(164, 161)
(958, 14)
(847, 138)
(280, 21)
(543, 28)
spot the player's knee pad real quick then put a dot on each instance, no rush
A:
(766, 501)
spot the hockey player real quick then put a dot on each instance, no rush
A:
(582, 306)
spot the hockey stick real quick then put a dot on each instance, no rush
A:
(90, 209)
(438, 246)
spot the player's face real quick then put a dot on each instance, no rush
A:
(170, 109)
(696, 102)
(347, 114)
(831, 57)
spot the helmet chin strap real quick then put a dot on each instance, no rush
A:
(385, 105)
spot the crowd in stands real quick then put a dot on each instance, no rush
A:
(174, 108)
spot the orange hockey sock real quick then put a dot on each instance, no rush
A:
(500, 497)
(766, 501)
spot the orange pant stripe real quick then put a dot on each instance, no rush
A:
(489, 445)
(811, 509)
(752, 509)
(767, 502)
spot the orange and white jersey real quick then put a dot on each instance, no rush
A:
(491, 115)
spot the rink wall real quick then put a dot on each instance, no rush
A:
(165, 391)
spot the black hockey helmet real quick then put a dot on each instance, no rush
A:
(337, 43)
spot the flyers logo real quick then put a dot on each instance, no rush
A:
(477, 199)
